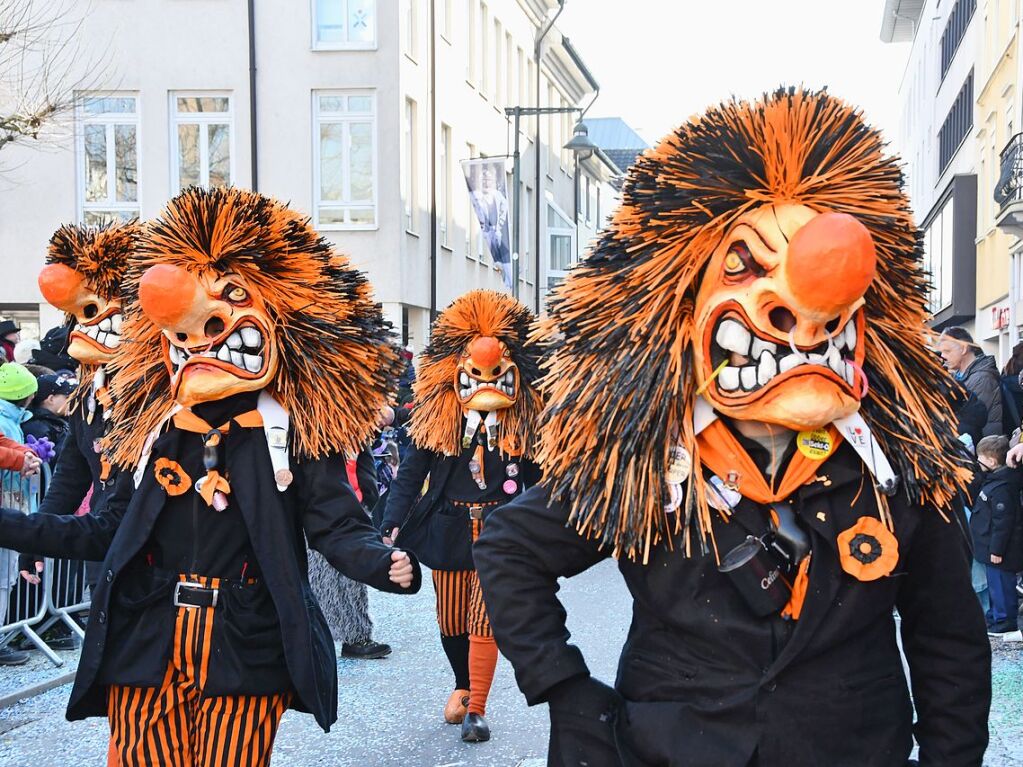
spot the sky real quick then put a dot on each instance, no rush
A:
(660, 61)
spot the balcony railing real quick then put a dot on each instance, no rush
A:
(1009, 188)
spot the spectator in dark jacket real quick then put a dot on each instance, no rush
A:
(49, 410)
(10, 334)
(971, 416)
(997, 527)
(976, 371)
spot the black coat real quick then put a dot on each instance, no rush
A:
(318, 505)
(982, 378)
(45, 423)
(78, 468)
(441, 541)
(704, 682)
(997, 520)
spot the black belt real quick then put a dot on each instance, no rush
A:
(191, 594)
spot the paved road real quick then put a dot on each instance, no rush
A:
(390, 709)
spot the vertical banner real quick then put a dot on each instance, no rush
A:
(489, 195)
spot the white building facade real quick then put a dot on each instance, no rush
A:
(356, 112)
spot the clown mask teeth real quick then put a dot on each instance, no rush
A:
(753, 362)
(243, 349)
(106, 332)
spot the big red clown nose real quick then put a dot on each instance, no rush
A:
(485, 351)
(60, 286)
(167, 294)
(830, 264)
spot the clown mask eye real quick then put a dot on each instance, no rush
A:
(236, 295)
(739, 262)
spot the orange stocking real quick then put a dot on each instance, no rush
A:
(482, 662)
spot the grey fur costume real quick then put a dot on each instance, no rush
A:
(345, 603)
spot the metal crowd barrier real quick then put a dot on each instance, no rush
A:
(30, 610)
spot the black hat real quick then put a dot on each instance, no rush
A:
(55, 340)
(7, 327)
(52, 383)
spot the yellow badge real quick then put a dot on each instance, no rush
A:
(816, 444)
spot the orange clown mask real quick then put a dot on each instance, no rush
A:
(82, 278)
(781, 303)
(487, 377)
(216, 337)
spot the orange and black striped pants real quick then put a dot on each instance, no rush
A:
(175, 725)
(460, 606)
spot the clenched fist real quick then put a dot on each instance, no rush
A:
(401, 569)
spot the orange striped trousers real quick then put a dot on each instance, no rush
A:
(174, 725)
(460, 606)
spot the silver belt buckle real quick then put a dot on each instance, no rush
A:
(476, 512)
(192, 585)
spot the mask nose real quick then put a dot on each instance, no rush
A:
(830, 264)
(485, 353)
(171, 298)
(62, 287)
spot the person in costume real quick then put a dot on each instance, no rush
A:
(742, 411)
(472, 430)
(85, 266)
(256, 359)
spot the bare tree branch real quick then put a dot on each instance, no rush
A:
(41, 67)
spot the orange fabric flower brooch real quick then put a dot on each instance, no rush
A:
(868, 550)
(171, 476)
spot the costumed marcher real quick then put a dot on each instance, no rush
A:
(742, 411)
(256, 359)
(472, 433)
(345, 603)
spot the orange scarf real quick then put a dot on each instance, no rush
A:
(721, 452)
(186, 420)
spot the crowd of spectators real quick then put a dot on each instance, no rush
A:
(36, 382)
(989, 407)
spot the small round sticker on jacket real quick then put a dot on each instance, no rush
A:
(815, 444)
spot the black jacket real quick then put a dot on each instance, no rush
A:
(441, 541)
(971, 414)
(704, 682)
(997, 520)
(44, 423)
(78, 468)
(982, 378)
(318, 505)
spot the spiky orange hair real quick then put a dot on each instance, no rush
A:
(437, 416)
(619, 379)
(337, 361)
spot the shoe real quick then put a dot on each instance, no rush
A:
(9, 657)
(475, 729)
(454, 711)
(1001, 629)
(64, 643)
(1013, 636)
(367, 649)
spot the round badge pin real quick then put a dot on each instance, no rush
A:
(678, 468)
(815, 444)
(510, 486)
(283, 477)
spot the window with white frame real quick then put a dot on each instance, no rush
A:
(587, 207)
(444, 195)
(531, 71)
(528, 217)
(560, 246)
(345, 162)
(443, 18)
(344, 24)
(200, 140)
(470, 41)
(552, 121)
(108, 157)
(411, 23)
(498, 69)
(510, 70)
(484, 63)
(470, 221)
(408, 166)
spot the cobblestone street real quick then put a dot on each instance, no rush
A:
(390, 709)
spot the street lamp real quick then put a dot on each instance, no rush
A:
(580, 145)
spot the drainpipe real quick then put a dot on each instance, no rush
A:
(254, 160)
(537, 192)
(432, 137)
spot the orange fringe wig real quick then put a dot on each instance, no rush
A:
(338, 364)
(620, 334)
(437, 417)
(100, 254)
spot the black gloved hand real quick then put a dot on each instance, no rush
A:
(583, 713)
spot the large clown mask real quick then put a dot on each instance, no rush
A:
(781, 307)
(216, 332)
(487, 379)
(97, 320)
